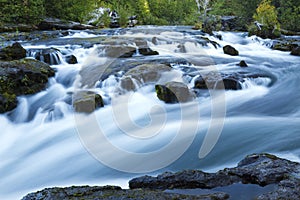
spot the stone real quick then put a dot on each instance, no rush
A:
(243, 63)
(14, 52)
(21, 77)
(71, 59)
(115, 193)
(173, 92)
(230, 50)
(296, 51)
(57, 24)
(50, 56)
(87, 101)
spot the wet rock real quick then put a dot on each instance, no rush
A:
(230, 50)
(243, 63)
(87, 101)
(143, 74)
(118, 51)
(173, 92)
(219, 81)
(71, 59)
(17, 27)
(50, 56)
(14, 52)
(296, 51)
(144, 49)
(21, 77)
(233, 23)
(260, 169)
(115, 193)
(57, 24)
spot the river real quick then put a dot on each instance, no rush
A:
(45, 144)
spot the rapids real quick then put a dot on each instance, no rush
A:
(44, 143)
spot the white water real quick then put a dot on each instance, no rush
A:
(41, 146)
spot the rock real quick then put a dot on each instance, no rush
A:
(7, 102)
(173, 92)
(144, 49)
(296, 51)
(17, 27)
(87, 101)
(230, 50)
(21, 77)
(50, 56)
(243, 64)
(219, 81)
(264, 32)
(117, 51)
(261, 169)
(71, 59)
(143, 74)
(233, 23)
(14, 52)
(115, 193)
(285, 44)
(57, 24)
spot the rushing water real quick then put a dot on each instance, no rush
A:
(41, 140)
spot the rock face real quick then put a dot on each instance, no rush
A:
(57, 24)
(114, 193)
(87, 102)
(230, 50)
(261, 169)
(173, 92)
(21, 77)
(280, 176)
(14, 52)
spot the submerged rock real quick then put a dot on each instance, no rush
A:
(71, 59)
(243, 63)
(14, 52)
(50, 56)
(87, 101)
(173, 92)
(230, 50)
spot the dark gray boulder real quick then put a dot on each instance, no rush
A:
(296, 51)
(21, 77)
(230, 50)
(57, 24)
(71, 59)
(13, 52)
(243, 63)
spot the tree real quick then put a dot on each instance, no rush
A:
(266, 14)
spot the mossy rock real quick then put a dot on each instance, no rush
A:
(22, 77)
(14, 52)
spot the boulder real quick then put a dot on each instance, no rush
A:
(117, 51)
(14, 52)
(219, 81)
(296, 51)
(243, 63)
(233, 23)
(71, 59)
(21, 77)
(230, 50)
(57, 24)
(173, 92)
(143, 74)
(50, 56)
(144, 49)
(87, 101)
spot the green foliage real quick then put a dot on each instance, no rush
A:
(21, 11)
(267, 15)
(289, 14)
